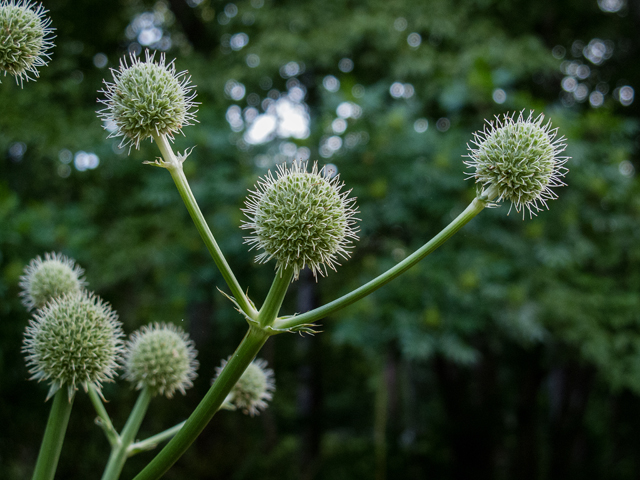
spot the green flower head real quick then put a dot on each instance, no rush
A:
(518, 160)
(147, 98)
(46, 279)
(252, 391)
(25, 39)
(162, 358)
(301, 219)
(74, 340)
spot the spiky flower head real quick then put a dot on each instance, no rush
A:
(74, 340)
(252, 391)
(162, 358)
(52, 277)
(301, 219)
(147, 98)
(518, 160)
(25, 39)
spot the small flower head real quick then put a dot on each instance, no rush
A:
(25, 38)
(301, 219)
(162, 358)
(253, 390)
(519, 159)
(74, 340)
(46, 279)
(147, 98)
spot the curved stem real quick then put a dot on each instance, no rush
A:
(174, 165)
(53, 436)
(119, 453)
(204, 412)
(475, 207)
(273, 302)
(103, 420)
(152, 442)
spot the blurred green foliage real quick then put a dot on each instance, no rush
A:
(511, 352)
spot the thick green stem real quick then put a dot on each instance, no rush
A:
(174, 165)
(53, 436)
(273, 302)
(237, 364)
(103, 420)
(119, 453)
(476, 206)
(152, 442)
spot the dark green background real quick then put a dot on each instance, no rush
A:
(511, 352)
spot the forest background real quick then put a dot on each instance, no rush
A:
(511, 352)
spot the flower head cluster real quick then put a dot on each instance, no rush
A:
(518, 159)
(46, 279)
(162, 358)
(254, 388)
(301, 219)
(147, 98)
(25, 38)
(74, 340)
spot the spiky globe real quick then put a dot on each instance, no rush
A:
(301, 219)
(162, 358)
(252, 391)
(74, 340)
(147, 98)
(520, 160)
(25, 38)
(52, 277)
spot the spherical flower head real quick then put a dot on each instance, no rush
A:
(162, 358)
(74, 340)
(52, 277)
(147, 98)
(25, 38)
(301, 219)
(518, 160)
(254, 388)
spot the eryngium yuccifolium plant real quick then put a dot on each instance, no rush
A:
(252, 391)
(52, 277)
(25, 38)
(301, 219)
(74, 340)
(162, 358)
(519, 158)
(147, 98)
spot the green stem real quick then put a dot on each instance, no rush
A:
(174, 165)
(53, 436)
(103, 420)
(475, 207)
(119, 452)
(237, 364)
(273, 302)
(152, 442)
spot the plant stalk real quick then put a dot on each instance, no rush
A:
(475, 207)
(174, 165)
(53, 436)
(119, 452)
(206, 409)
(152, 442)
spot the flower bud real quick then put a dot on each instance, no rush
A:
(252, 391)
(74, 340)
(518, 160)
(162, 358)
(24, 38)
(52, 277)
(147, 98)
(300, 219)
